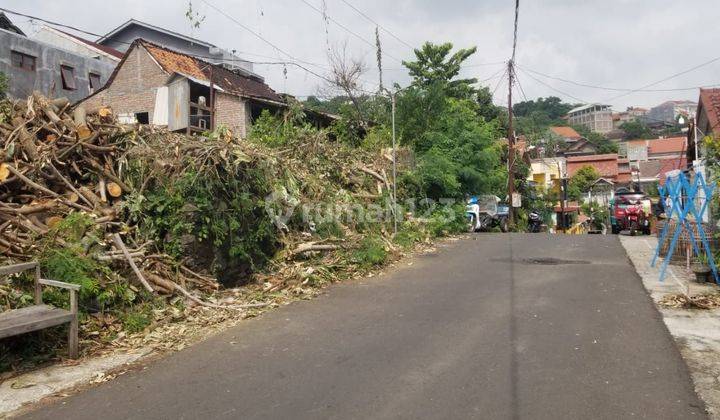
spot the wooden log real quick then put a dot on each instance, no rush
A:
(121, 245)
(40, 188)
(80, 116)
(114, 189)
(101, 189)
(4, 172)
(27, 141)
(90, 196)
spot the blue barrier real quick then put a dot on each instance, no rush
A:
(682, 194)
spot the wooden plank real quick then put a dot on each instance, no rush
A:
(17, 268)
(60, 284)
(20, 321)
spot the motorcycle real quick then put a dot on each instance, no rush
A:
(535, 222)
(484, 212)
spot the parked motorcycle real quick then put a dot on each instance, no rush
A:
(535, 222)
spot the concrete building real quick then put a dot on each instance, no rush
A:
(547, 173)
(78, 45)
(609, 166)
(155, 85)
(668, 112)
(596, 117)
(122, 37)
(32, 65)
(630, 114)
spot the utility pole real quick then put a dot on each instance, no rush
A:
(394, 167)
(511, 147)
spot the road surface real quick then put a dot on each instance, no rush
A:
(490, 327)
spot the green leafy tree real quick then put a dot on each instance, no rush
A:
(582, 180)
(435, 65)
(636, 130)
(602, 143)
(552, 107)
(4, 84)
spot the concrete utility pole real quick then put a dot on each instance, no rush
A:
(511, 147)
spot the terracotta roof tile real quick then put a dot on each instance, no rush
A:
(566, 132)
(710, 103)
(670, 145)
(175, 62)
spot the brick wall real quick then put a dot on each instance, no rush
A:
(233, 112)
(134, 87)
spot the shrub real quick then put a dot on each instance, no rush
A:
(371, 252)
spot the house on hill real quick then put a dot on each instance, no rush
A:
(568, 134)
(156, 85)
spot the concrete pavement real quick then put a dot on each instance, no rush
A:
(491, 327)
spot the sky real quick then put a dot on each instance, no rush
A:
(622, 44)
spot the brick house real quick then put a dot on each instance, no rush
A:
(159, 86)
(609, 166)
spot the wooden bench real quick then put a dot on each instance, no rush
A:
(40, 316)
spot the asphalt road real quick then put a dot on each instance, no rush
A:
(484, 328)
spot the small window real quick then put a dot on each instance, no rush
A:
(94, 79)
(142, 118)
(23, 61)
(68, 77)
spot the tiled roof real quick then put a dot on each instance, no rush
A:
(592, 158)
(233, 83)
(669, 145)
(566, 132)
(710, 103)
(112, 51)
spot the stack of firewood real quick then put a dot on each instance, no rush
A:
(51, 162)
(55, 160)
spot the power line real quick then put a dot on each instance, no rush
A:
(240, 24)
(522, 91)
(371, 20)
(610, 88)
(554, 89)
(346, 29)
(666, 79)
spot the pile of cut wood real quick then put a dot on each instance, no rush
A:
(55, 161)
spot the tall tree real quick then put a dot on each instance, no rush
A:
(435, 65)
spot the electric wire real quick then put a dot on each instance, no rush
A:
(348, 30)
(371, 20)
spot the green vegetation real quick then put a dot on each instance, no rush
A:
(581, 182)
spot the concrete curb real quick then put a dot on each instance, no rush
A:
(32, 387)
(696, 332)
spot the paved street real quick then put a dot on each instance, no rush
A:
(489, 327)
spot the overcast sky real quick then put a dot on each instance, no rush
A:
(610, 43)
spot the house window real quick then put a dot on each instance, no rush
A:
(68, 77)
(23, 61)
(94, 80)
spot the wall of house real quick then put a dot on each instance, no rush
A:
(46, 77)
(121, 41)
(65, 42)
(233, 112)
(608, 168)
(135, 86)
